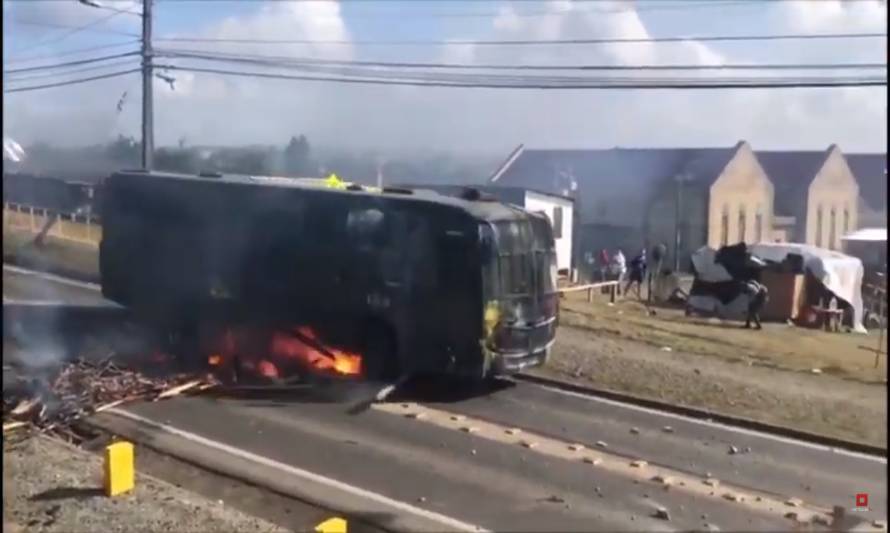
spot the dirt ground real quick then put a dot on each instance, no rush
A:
(806, 379)
(766, 375)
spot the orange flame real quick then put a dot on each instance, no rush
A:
(288, 346)
(214, 360)
(268, 369)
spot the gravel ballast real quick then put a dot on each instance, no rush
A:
(52, 486)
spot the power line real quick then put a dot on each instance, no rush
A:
(70, 63)
(71, 82)
(29, 59)
(296, 61)
(69, 27)
(531, 83)
(619, 40)
(698, 4)
(74, 31)
(40, 75)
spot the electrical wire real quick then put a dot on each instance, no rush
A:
(595, 83)
(42, 75)
(71, 63)
(71, 82)
(74, 31)
(29, 59)
(69, 27)
(619, 40)
(297, 61)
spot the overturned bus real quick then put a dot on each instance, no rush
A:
(413, 281)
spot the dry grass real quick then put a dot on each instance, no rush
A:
(55, 254)
(778, 345)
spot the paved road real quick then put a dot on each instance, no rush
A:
(500, 460)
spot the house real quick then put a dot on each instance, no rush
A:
(559, 209)
(816, 195)
(630, 198)
(870, 171)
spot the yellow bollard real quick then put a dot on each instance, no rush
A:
(120, 470)
(332, 525)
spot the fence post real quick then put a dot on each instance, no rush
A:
(31, 218)
(590, 295)
(612, 294)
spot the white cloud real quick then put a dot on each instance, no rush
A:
(211, 109)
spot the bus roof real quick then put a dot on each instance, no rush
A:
(483, 209)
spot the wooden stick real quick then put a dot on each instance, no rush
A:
(179, 389)
(9, 426)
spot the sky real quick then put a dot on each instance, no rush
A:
(209, 109)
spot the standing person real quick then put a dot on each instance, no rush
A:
(604, 264)
(757, 296)
(618, 267)
(637, 272)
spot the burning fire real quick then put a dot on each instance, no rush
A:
(298, 346)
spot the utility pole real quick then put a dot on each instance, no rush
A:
(148, 132)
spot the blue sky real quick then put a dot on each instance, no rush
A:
(452, 119)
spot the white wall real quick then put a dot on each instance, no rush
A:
(541, 202)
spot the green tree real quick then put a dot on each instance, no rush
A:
(298, 157)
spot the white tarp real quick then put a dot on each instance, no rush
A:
(867, 235)
(839, 273)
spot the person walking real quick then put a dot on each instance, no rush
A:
(757, 297)
(604, 261)
(637, 273)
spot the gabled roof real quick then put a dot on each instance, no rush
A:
(870, 171)
(791, 173)
(614, 186)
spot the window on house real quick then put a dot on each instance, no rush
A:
(758, 226)
(557, 222)
(819, 226)
(742, 223)
(832, 230)
(724, 226)
(846, 220)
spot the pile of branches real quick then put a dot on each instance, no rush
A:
(56, 398)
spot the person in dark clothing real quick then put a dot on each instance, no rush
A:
(636, 273)
(757, 296)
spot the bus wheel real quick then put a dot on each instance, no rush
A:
(380, 353)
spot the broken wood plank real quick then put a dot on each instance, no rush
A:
(179, 389)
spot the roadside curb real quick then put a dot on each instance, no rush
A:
(703, 414)
(47, 268)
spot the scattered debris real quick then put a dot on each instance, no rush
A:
(458, 418)
(421, 499)
(576, 447)
(733, 450)
(529, 444)
(664, 480)
(602, 444)
(880, 524)
(469, 429)
(794, 502)
(592, 460)
(821, 520)
(696, 371)
(712, 482)
(54, 398)
(731, 496)
(555, 499)
(816, 371)
(662, 514)
(667, 349)
(513, 431)
(635, 431)
(667, 429)
(638, 463)
(416, 416)
(472, 452)
(792, 515)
